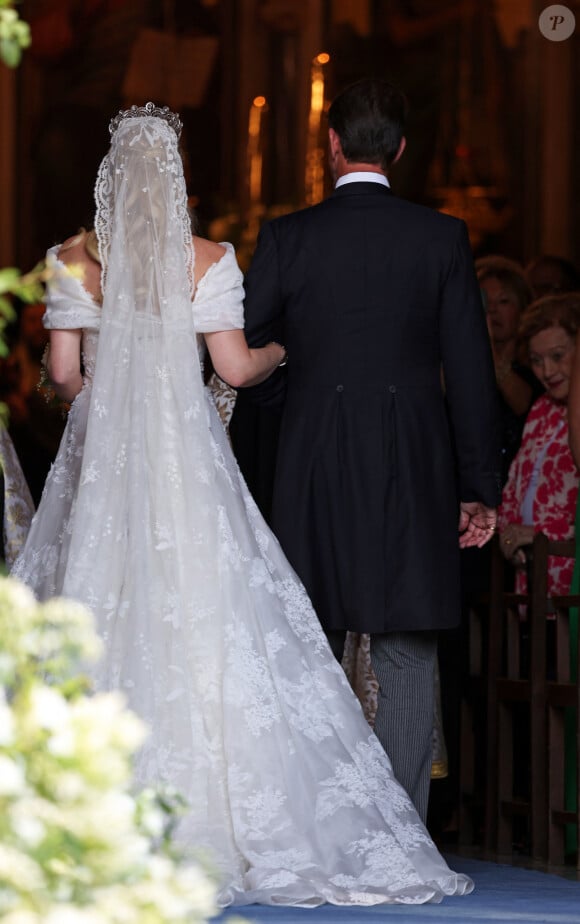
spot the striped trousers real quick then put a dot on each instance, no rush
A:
(404, 665)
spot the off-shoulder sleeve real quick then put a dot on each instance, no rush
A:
(68, 305)
(218, 303)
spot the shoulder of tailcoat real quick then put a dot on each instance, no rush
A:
(389, 403)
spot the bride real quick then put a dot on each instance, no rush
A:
(207, 630)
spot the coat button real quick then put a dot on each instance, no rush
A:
(392, 389)
(340, 387)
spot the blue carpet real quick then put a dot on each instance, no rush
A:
(502, 894)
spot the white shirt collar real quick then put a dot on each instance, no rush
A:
(362, 176)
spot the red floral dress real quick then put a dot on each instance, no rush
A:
(554, 503)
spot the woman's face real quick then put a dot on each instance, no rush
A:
(551, 358)
(503, 310)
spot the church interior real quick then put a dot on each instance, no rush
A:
(493, 137)
(492, 133)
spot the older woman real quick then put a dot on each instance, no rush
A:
(506, 295)
(542, 487)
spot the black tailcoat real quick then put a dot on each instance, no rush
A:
(373, 297)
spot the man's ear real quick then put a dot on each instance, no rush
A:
(399, 153)
(334, 144)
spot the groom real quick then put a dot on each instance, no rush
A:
(388, 434)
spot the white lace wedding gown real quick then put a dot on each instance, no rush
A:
(212, 638)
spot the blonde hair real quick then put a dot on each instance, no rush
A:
(89, 238)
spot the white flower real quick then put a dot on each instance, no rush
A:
(19, 870)
(48, 709)
(26, 826)
(72, 914)
(12, 779)
(62, 743)
(22, 916)
(16, 596)
(61, 620)
(66, 782)
(106, 731)
(69, 785)
(7, 666)
(105, 820)
(6, 722)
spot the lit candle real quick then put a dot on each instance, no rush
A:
(314, 178)
(257, 108)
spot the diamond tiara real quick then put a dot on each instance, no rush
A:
(149, 109)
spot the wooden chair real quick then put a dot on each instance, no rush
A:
(514, 695)
(525, 706)
(563, 705)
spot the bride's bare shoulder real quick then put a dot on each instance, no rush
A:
(206, 254)
(79, 250)
(73, 249)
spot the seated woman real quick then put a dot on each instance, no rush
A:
(542, 487)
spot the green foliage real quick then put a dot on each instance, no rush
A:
(28, 288)
(14, 34)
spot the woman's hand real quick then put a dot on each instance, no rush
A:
(512, 541)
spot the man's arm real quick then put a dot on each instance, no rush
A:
(264, 315)
(263, 303)
(470, 384)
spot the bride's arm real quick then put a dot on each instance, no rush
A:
(64, 363)
(233, 360)
(236, 363)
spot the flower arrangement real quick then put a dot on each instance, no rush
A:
(76, 846)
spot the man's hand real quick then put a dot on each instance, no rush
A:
(477, 524)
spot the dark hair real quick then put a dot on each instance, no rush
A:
(550, 311)
(569, 274)
(509, 273)
(369, 118)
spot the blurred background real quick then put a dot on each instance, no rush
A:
(492, 134)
